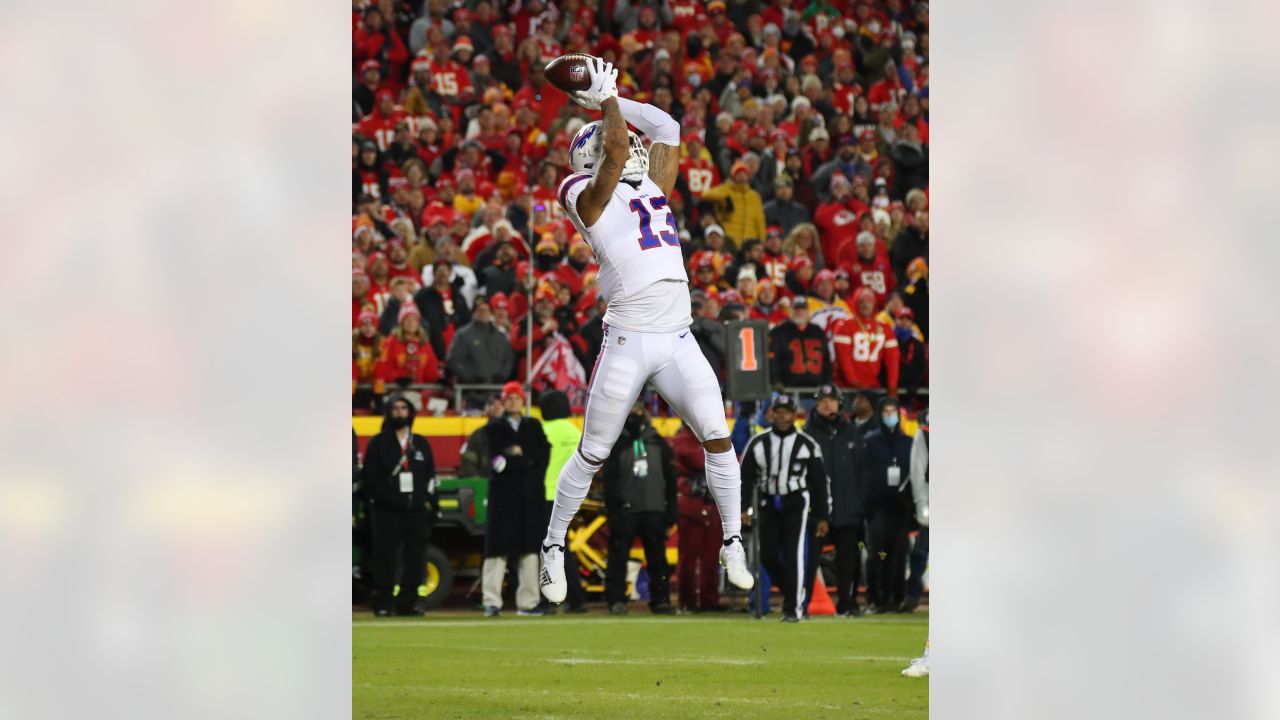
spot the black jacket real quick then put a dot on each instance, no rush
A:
(431, 304)
(654, 492)
(912, 365)
(480, 353)
(909, 245)
(844, 455)
(711, 341)
(786, 213)
(798, 358)
(380, 476)
(517, 496)
(885, 449)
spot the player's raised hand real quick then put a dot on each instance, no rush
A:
(604, 84)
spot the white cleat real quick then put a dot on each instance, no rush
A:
(554, 586)
(918, 668)
(734, 559)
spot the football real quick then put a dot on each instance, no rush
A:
(569, 72)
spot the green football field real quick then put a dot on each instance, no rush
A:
(460, 665)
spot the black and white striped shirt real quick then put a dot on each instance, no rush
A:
(781, 464)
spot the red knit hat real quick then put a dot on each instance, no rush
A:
(408, 309)
(513, 388)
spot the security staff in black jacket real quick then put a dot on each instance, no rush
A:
(889, 510)
(399, 480)
(785, 466)
(640, 499)
(844, 454)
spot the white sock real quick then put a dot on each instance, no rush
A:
(571, 488)
(724, 477)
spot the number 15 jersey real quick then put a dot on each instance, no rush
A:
(635, 241)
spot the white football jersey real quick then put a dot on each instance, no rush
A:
(635, 241)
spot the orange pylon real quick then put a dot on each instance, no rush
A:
(821, 602)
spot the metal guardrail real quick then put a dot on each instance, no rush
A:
(459, 389)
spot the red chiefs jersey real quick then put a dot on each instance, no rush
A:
(685, 14)
(701, 174)
(369, 183)
(381, 128)
(876, 275)
(572, 278)
(775, 268)
(548, 198)
(862, 345)
(886, 91)
(774, 316)
(843, 97)
(546, 102)
(837, 225)
(451, 79)
(409, 358)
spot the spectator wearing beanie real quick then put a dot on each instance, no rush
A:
(407, 355)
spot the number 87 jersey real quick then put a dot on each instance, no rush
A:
(635, 241)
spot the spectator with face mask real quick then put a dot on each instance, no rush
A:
(399, 482)
(889, 509)
(640, 500)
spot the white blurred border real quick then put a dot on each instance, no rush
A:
(173, 394)
(1103, 360)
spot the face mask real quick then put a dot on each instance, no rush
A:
(890, 421)
(902, 333)
(396, 423)
(695, 79)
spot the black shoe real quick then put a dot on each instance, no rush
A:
(909, 605)
(874, 609)
(663, 609)
(581, 609)
(411, 612)
(618, 608)
(790, 619)
(381, 612)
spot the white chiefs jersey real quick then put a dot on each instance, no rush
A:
(635, 240)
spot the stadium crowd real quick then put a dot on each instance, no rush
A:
(802, 197)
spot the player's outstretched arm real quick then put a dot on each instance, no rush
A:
(595, 196)
(664, 131)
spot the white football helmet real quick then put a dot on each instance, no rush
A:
(587, 149)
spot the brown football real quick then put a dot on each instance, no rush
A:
(569, 72)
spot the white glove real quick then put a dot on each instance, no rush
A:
(922, 515)
(604, 84)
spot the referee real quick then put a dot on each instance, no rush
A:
(785, 466)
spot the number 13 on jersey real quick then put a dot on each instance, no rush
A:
(648, 240)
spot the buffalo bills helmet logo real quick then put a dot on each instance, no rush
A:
(583, 137)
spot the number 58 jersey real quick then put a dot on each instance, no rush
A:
(635, 241)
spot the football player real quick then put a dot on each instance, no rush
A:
(617, 199)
